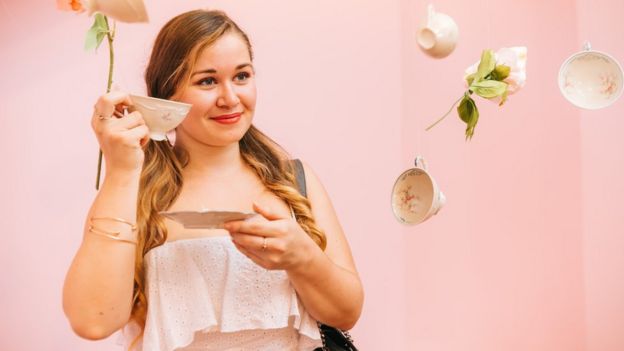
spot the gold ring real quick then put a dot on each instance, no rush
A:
(100, 116)
(264, 244)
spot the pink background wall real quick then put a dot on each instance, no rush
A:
(501, 267)
(527, 254)
(602, 175)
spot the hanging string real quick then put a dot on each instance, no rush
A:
(489, 16)
(419, 133)
(588, 22)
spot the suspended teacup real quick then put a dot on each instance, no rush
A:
(121, 10)
(591, 79)
(160, 115)
(415, 195)
(438, 36)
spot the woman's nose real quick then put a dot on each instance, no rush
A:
(227, 96)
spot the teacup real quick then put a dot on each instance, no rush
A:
(160, 115)
(415, 195)
(591, 79)
(438, 37)
(122, 10)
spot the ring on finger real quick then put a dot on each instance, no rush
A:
(100, 116)
(264, 244)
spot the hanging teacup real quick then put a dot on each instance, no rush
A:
(591, 79)
(438, 37)
(415, 195)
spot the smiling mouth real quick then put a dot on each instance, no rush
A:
(225, 117)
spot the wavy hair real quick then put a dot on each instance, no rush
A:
(174, 54)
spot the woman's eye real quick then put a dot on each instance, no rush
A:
(207, 81)
(242, 76)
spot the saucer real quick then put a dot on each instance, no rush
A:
(206, 219)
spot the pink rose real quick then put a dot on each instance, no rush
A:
(515, 58)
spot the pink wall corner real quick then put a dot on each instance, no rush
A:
(499, 268)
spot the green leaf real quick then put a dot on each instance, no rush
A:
(470, 78)
(468, 113)
(488, 88)
(500, 72)
(504, 96)
(486, 65)
(96, 33)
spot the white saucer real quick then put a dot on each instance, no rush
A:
(206, 219)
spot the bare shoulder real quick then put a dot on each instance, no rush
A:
(338, 249)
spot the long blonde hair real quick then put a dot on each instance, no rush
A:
(175, 51)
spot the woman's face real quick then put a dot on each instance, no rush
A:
(222, 90)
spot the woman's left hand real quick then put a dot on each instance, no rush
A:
(271, 240)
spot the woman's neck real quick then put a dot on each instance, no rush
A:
(207, 161)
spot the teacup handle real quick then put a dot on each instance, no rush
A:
(420, 162)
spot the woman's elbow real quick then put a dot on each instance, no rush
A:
(348, 321)
(93, 325)
(91, 332)
(350, 317)
(92, 328)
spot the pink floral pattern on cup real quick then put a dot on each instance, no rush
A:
(609, 85)
(591, 79)
(408, 200)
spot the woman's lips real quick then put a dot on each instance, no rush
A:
(227, 119)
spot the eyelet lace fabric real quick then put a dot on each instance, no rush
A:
(203, 294)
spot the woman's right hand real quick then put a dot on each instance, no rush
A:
(121, 138)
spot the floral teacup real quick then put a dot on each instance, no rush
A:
(160, 115)
(415, 195)
(591, 79)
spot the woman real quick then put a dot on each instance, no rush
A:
(259, 284)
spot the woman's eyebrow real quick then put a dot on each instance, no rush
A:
(212, 70)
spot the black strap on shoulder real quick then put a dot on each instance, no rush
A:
(300, 175)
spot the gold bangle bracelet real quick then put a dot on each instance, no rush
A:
(102, 231)
(111, 235)
(95, 231)
(120, 220)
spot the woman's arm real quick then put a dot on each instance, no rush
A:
(98, 289)
(328, 283)
(97, 295)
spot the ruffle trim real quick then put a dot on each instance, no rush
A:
(180, 335)
(173, 319)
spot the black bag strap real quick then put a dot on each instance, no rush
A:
(300, 176)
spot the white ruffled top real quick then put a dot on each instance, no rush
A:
(204, 294)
